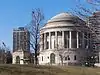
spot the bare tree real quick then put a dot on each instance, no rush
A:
(87, 14)
(61, 52)
(34, 29)
(62, 55)
(84, 11)
(3, 53)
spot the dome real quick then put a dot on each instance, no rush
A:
(61, 17)
(61, 20)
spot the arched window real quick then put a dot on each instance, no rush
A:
(52, 58)
(17, 60)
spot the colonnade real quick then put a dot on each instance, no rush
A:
(49, 35)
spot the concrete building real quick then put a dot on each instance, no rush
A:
(21, 46)
(94, 23)
(65, 39)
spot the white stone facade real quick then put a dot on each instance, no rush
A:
(20, 57)
(64, 40)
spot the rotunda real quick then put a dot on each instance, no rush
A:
(64, 40)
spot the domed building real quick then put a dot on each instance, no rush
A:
(64, 39)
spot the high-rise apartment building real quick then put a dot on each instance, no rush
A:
(21, 39)
(21, 46)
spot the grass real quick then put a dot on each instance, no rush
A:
(46, 70)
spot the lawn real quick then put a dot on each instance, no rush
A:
(46, 70)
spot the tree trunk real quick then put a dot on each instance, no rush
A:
(36, 61)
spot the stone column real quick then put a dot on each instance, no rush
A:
(56, 40)
(63, 39)
(70, 38)
(49, 40)
(83, 45)
(41, 42)
(44, 40)
(77, 37)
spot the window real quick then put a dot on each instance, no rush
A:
(65, 58)
(73, 34)
(66, 39)
(68, 57)
(59, 33)
(42, 58)
(73, 39)
(48, 57)
(47, 45)
(74, 57)
(52, 33)
(52, 58)
(17, 60)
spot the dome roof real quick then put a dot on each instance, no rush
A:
(60, 17)
(61, 20)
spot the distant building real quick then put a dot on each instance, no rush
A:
(94, 22)
(21, 46)
(65, 39)
(21, 39)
